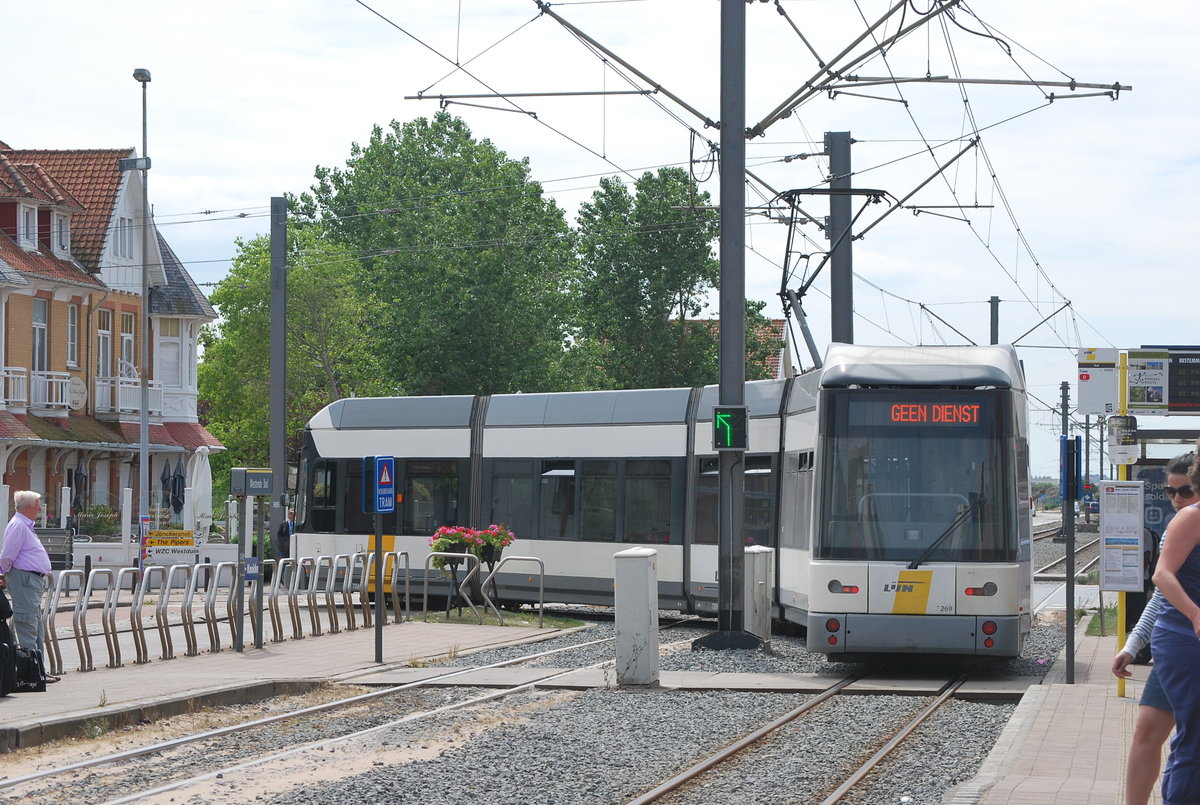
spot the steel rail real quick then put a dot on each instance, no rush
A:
(857, 777)
(322, 744)
(1041, 571)
(244, 726)
(703, 766)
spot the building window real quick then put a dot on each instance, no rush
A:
(27, 227)
(62, 233)
(41, 316)
(127, 339)
(124, 244)
(104, 343)
(170, 352)
(73, 335)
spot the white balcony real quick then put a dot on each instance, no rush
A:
(123, 395)
(48, 390)
(14, 385)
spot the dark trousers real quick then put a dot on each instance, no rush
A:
(1176, 658)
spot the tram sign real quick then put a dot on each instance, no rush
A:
(379, 496)
(1097, 381)
(251, 481)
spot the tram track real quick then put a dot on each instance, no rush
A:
(696, 783)
(426, 697)
(1083, 552)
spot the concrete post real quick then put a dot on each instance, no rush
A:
(64, 506)
(637, 616)
(126, 515)
(189, 519)
(5, 497)
(759, 574)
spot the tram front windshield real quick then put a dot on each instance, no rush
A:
(914, 476)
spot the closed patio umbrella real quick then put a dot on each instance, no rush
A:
(201, 492)
(177, 486)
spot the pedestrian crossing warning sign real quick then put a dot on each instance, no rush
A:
(379, 496)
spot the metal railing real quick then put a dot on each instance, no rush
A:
(14, 384)
(49, 390)
(123, 395)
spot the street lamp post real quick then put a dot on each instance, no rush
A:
(142, 76)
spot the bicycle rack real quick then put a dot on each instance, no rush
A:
(136, 626)
(284, 565)
(161, 616)
(79, 621)
(230, 608)
(188, 615)
(303, 569)
(310, 592)
(541, 584)
(53, 650)
(362, 560)
(347, 584)
(109, 614)
(397, 617)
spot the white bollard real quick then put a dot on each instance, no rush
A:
(5, 492)
(758, 574)
(637, 616)
(127, 516)
(64, 506)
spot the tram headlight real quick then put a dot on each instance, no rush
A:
(837, 587)
(989, 627)
(833, 625)
(988, 589)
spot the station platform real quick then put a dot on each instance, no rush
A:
(1066, 744)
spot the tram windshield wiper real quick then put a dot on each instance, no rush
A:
(950, 529)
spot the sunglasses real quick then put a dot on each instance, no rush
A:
(1183, 491)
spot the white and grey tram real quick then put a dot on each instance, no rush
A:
(889, 483)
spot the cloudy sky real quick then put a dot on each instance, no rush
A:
(1076, 211)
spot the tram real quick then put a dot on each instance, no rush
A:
(885, 458)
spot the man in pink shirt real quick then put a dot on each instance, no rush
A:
(25, 570)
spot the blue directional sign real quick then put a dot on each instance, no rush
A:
(379, 484)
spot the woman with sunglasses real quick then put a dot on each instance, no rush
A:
(1155, 719)
(1175, 644)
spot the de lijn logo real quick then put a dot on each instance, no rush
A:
(901, 586)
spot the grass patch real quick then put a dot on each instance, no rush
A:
(1110, 623)
(522, 618)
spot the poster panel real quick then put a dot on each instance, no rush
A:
(1121, 527)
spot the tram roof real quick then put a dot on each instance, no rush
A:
(969, 366)
(762, 398)
(589, 407)
(375, 413)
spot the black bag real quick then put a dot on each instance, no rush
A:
(8, 670)
(31, 674)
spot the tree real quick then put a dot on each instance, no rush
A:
(647, 269)
(465, 263)
(327, 356)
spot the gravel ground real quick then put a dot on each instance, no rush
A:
(608, 746)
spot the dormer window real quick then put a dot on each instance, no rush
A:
(62, 235)
(27, 227)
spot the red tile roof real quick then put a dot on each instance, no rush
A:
(12, 426)
(92, 177)
(29, 180)
(192, 435)
(42, 263)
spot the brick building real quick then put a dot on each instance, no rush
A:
(71, 262)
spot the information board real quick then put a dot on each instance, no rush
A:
(170, 548)
(1146, 381)
(1098, 386)
(1183, 386)
(1121, 529)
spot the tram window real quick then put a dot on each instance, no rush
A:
(556, 506)
(354, 520)
(512, 495)
(323, 495)
(758, 501)
(897, 489)
(430, 496)
(648, 501)
(797, 493)
(598, 501)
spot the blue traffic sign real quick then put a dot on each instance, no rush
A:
(379, 494)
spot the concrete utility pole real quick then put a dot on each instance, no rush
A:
(841, 258)
(142, 76)
(277, 514)
(730, 550)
